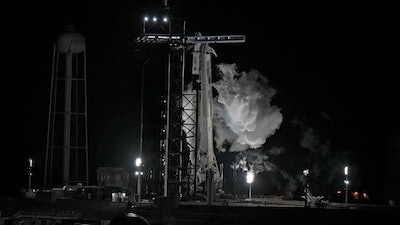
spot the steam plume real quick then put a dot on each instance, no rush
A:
(243, 116)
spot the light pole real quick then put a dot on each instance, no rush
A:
(346, 182)
(139, 173)
(305, 173)
(249, 180)
(30, 164)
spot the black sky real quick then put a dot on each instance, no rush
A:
(339, 59)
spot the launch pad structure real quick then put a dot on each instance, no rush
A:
(187, 161)
(187, 164)
(186, 167)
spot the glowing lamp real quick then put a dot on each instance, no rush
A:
(137, 173)
(30, 162)
(250, 177)
(138, 161)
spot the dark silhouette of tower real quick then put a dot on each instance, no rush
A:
(67, 139)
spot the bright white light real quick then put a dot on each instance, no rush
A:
(165, 19)
(30, 161)
(146, 18)
(250, 177)
(154, 19)
(138, 161)
(306, 172)
(136, 173)
(346, 181)
(346, 170)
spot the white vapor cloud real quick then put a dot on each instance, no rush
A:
(243, 116)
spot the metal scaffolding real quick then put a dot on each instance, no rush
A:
(186, 151)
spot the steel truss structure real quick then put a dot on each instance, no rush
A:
(187, 157)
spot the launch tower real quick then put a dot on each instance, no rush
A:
(186, 145)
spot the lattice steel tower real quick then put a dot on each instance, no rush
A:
(158, 39)
(67, 139)
(186, 151)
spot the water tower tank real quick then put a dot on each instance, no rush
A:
(67, 147)
(70, 41)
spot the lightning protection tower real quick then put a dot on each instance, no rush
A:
(67, 139)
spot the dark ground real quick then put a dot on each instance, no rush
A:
(93, 212)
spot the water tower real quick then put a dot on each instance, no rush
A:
(67, 139)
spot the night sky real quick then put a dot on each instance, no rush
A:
(334, 66)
